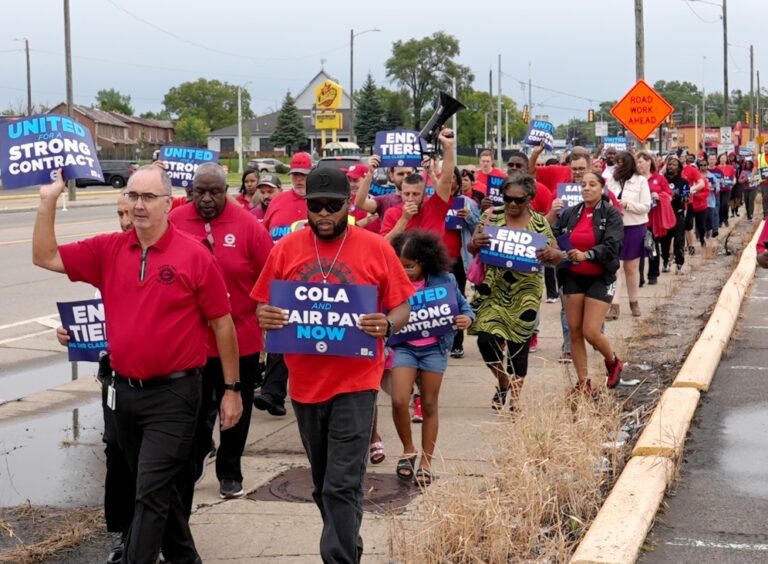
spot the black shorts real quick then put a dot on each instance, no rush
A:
(591, 286)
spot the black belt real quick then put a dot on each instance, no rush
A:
(157, 381)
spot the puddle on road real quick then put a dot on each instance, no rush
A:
(55, 459)
(18, 384)
(744, 456)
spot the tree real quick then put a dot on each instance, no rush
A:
(396, 104)
(425, 66)
(290, 127)
(370, 116)
(577, 132)
(212, 101)
(192, 130)
(160, 116)
(112, 101)
(471, 121)
(682, 95)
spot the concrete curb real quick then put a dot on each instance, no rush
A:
(620, 527)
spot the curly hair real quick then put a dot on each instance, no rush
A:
(423, 247)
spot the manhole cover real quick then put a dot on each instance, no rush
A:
(383, 492)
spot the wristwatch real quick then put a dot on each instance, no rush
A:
(234, 386)
(390, 328)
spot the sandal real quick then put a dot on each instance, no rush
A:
(404, 469)
(499, 398)
(423, 477)
(377, 454)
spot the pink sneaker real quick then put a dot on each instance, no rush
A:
(417, 415)
(533, 345)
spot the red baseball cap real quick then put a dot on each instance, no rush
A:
(355, 172)
(301, 163)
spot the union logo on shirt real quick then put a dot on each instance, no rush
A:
(230, 240)
(166, 274)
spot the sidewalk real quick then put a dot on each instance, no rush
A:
(717, 513)
(26, 200)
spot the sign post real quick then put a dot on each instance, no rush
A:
(642, 110)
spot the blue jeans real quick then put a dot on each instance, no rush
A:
(336, 435)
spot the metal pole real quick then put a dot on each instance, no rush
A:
(703, 110)
(506, 127)
(70, 98)
(751, 90)
(239, 130)
(29, 79)
(639, 41)
(757, 107)
(696, 126)
(351, 85)
(726, 121)
(455, 123)
(498, 119)
(530, 95)
(485, 128)
(490, 104)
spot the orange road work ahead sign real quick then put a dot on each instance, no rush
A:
(642, 110)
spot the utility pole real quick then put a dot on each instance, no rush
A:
(530, 96)
(490, 105)
(70, 97)
(726, 121)
(751, 90)
(29, 79)
(757, 107)
(240, 130)
(498, 119)
(639, 41)
(455, 123)
(351, 84)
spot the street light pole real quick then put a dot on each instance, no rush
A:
(29, 76)
(70, 96)
(240, 130)
(352, 36)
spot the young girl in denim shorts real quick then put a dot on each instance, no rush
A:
(427, 264)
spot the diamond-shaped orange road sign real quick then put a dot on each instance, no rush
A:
(642, 110)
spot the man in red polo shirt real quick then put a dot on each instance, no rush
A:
(289, 207)
(416, 211)
(241, 246)
(161, 289)
(334, 397)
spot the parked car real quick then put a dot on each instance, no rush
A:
(340, 162)
(116, 174)
(268, 165)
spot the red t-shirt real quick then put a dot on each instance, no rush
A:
(691, 175)
(240, 199)
(241, 245)
(699, 199)
(431, 217)
(359, 213)
(284, 210)
(583, 238)
(178, 201)
(365, 258)
(729, 177)
(551, 176)
(157, 325)
(542, 201)
(481, 179)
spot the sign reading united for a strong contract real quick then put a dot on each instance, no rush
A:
(642, 110)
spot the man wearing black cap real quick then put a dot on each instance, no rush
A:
(334, 397)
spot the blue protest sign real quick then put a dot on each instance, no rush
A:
(618, 143)
(379, 190)
(452, 220)
(540, 131)
(514, 249)
(433, 310)
(569, 193)
(84, 322)
(494, 184)
(398, 148)
(564, 242)
(182, 162)
(31, 148)
(322, 319)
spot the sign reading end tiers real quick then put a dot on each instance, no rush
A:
(642, 110)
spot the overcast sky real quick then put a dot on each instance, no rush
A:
(586, 48)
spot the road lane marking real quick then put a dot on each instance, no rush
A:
(20, 241)
(693, 543)
(22, 337)
(41, 320)
(747, 367)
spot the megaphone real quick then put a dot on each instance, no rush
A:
(446, 107)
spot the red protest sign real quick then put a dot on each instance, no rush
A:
(642, 110)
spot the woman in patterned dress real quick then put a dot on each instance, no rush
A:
(507, 302)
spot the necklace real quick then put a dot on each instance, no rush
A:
(330, 269)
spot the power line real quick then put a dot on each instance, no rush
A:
(524, 83)
(695, 13)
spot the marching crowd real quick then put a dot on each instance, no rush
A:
(186, 290)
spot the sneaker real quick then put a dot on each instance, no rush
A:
(230, 489)
(552, 300)
(533, 345)
(457, 353)
(565, 358)
(614, 371)
(264, 402)
(116, 553)
(678, 269)
(653, 281)
(665, 268)
(417, 416)
(499, 399)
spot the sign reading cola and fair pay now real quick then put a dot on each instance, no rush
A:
(642, 110)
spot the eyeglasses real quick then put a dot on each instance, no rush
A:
(332, 206)
(515, 165)
(146, 197)
(515, 200)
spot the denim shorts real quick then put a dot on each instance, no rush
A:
(429, 358)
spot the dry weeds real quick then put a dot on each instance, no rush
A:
(545, 485)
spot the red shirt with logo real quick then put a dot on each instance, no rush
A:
(431, 217)
(157, 303)
(241, 245)
(583, 238)
(364, 258)
(284, 210)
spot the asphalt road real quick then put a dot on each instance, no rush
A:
(718, 511)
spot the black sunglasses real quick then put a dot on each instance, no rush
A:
(515, 165)
(332, 206)
(514, 199)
